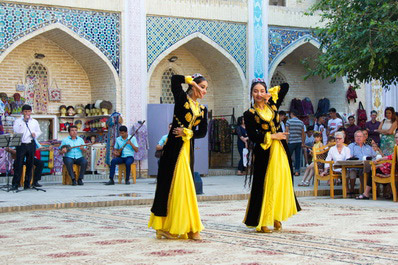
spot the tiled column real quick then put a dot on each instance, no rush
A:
(258, 39)
(134, 61)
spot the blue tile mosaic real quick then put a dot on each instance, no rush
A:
(100, 28)
(163, 32)
(282, 38)
(259, 56)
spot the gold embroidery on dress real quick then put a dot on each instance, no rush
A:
(257, 119)
(196, 122)
(274, 107)
(252, 110)
(188, 117)
(186, 105)
(265, 126)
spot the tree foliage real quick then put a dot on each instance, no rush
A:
(360, 40)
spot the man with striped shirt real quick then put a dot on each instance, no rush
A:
(295, 128)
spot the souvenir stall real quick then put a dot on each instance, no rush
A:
(91, 120)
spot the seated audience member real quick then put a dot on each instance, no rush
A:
(339, 152)
(361, 151)
(74, 155)
(127, 155)
(384, 169)
(308, 143)
(368, 140)
(309, 171)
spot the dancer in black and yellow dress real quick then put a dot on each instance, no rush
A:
(175, 211)
(272, 198)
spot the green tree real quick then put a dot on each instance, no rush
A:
(359, 39)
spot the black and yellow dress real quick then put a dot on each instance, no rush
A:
(272, 195)
(175, 207)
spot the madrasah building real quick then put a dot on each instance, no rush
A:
(125, 51)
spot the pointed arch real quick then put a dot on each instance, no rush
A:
(205, 39)
(84, 52)
(289, 49)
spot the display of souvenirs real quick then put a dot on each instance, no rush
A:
(5, 105)
(62, 110)
(70, 111)
(87, 109)
(79, 110)
(106, 107)
(16, 103)
(79, 125)
(41, 96)
(54, 92)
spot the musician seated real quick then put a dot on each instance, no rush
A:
(124, 152)
(74, 155)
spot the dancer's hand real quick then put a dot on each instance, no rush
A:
(267, 96)
(279, 136)
(178, 132)
(197, 90)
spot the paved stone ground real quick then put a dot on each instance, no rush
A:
(94, 193)
(326, 231)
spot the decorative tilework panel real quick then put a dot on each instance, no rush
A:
(259, 56)
(281, 38)
(163, 32)
(102, 29)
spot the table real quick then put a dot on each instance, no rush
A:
(354, 164)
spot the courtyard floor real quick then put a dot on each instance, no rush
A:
(326, 231)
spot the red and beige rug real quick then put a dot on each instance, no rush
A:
(321, 233)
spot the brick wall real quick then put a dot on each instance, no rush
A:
(62, 68)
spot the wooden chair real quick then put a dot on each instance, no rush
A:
(66, 180)
(386, 179)
(319, 156)
(22, 182)
(122, 172)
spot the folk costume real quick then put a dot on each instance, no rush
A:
(175, 208)
(272, 197)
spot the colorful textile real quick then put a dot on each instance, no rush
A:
(387, 143)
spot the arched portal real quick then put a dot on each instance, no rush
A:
(227, 83)
(289, 65)
(103, 78)
(198, 53)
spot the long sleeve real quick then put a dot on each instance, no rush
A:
(36, 129)
(202, 130)
(282, 93)
(329, 157)
(255, 135)
(176, 87)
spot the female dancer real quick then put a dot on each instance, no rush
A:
(175, 210)
(272, 198)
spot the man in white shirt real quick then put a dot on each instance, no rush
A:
(30, 130)
(334, 123)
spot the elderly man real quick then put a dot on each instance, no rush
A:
(361, 151)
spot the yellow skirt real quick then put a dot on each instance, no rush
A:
(278, 202)
(183, 213)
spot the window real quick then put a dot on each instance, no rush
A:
(167, 95)
(277, 79)
(277, 2)
(37, 70)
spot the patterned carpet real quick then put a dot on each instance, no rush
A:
(321, 233)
